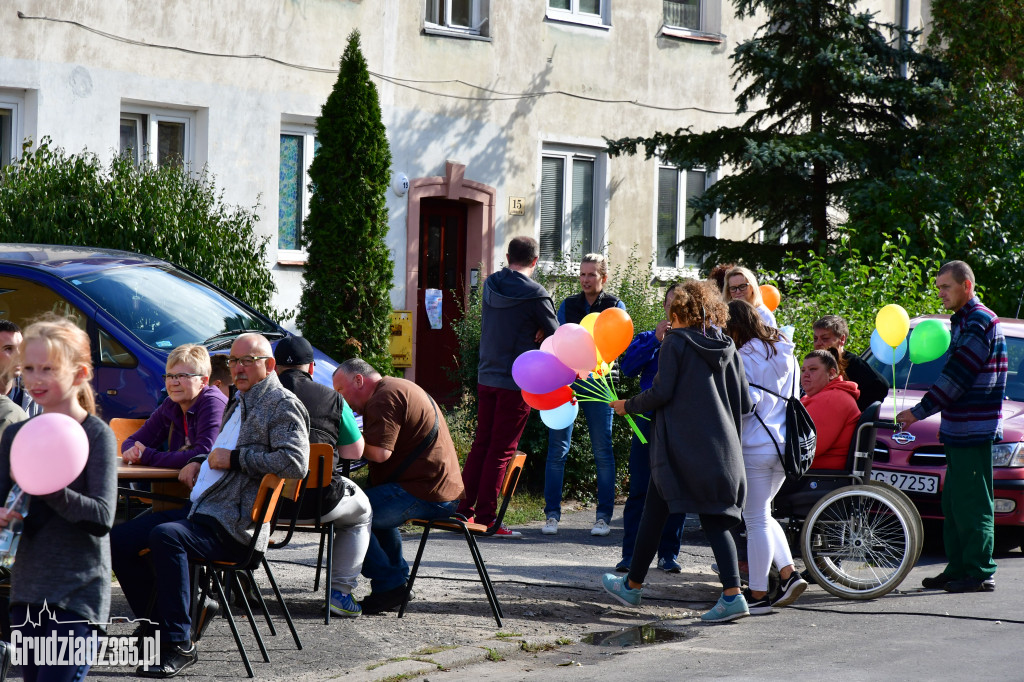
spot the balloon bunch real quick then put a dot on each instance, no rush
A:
(548, 376)
(890, 343)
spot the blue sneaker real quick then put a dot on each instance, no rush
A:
(618, 588)
(344, 605)
(725, 611)
(669, 565)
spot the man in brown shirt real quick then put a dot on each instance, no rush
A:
(414, 470)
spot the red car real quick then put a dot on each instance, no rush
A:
(916, 463)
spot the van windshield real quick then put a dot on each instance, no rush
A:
(165, 308)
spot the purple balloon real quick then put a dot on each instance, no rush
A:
(538, 372)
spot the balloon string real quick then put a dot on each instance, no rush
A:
(592, 392)
(894, 410)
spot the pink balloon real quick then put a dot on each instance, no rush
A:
(574, 346)
(548, 345)
(48, 453)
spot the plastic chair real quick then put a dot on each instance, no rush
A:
(123, 429)
(456, 523)
(263, 511)
(321, 462)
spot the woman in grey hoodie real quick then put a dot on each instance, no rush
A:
(699, 398)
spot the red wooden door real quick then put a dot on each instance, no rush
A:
(442, 266)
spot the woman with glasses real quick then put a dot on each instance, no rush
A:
(741, 284)
(187, 423)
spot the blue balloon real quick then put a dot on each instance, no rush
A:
(560, 417)
(885, 353)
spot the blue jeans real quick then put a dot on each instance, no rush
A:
(384, 564)
(599, 421)
(639, 479)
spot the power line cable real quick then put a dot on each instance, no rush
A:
(393, 80)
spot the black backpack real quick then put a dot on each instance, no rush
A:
(801, 436)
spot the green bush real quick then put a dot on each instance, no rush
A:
(51, 197)
(841, 284)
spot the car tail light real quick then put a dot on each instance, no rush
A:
(1004, 506)
(1008, 455)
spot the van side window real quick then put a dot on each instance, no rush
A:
(22, 300)
(112, 352)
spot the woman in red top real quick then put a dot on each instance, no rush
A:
(832, 403)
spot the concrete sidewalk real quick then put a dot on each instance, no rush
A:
(548, 587)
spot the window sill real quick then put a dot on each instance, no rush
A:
(690, 34)
(291, 258)
(578, 20)
(441, 31)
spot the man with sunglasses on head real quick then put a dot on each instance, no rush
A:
(265, 431)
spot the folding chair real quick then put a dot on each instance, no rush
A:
(456, 523)
(263, 510)
(321, 464)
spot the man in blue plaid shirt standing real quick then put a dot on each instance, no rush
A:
(969, 393)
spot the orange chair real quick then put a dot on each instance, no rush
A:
(321, 463)
(123, 429)
(263, 510)
(456, 523)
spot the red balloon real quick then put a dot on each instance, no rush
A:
(548, 401)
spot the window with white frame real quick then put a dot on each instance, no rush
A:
(159, 136)
(676, 221)
(11, 109)
(465, 18)
(571, 203)
(298, 145)
(591, 12)
(692, 18)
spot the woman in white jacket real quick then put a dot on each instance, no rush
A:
(771, 373)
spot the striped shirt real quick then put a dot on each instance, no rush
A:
(969, 392)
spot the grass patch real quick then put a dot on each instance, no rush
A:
(507, 635)
(427, 650)
(534, 647)
(564, 641)
(524, 508)
(493, 655)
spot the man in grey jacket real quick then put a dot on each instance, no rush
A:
(265, 431)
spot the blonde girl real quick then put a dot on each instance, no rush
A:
(741, 284)
(63, 560)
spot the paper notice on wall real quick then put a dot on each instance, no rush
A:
(432, 300)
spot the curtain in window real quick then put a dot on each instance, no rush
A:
(582, 225)
(696, 181)
(551, 182)
(289, 203)
(668, 212)
(590, 7)
(682, 13)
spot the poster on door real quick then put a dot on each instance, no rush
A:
(432, 300)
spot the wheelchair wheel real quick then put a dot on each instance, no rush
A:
(912, 513)
(859, 542)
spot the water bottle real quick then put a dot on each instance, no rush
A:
(17, 501)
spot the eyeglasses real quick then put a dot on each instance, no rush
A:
(738, 289)
(179, 377)
(246, 360)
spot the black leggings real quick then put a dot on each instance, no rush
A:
(716, 529)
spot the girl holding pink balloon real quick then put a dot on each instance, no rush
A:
(65, 459)
(573, 349)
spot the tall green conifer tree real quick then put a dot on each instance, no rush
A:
(345, 292)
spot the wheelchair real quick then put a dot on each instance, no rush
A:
(859, 538)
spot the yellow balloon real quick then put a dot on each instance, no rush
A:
(588, 323)
(892, 323)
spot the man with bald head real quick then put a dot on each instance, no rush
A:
(265, 431)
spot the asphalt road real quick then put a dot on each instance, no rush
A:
(548, 586)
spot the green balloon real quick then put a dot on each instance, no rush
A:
(928, 341)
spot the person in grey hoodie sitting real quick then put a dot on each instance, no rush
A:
(699, 397)
(265, 431)
(517, 315)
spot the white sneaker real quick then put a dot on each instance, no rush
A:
(550, 526)
(600, 528)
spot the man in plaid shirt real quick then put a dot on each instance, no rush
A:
(969, 393)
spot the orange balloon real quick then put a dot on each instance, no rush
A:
(613, 332)
(771, 297)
